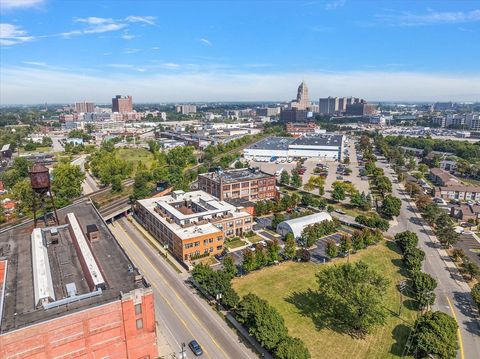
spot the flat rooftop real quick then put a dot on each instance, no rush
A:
(273, 143)
(284, 143)
(319, 140)
(15, 246)
(232, 176)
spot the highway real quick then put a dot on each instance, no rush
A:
(181, 314)
(452, 293)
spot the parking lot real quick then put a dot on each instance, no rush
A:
(470, 246)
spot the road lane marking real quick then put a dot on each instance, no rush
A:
(174, 291)
(165, 299)
(459, 334)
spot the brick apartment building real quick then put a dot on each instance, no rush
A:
(247, 184)
(297, 129)
(192, 224)
(122, 104)
(64, 296)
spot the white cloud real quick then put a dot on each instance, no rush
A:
(127, 36)
(11, 4)
(431, 17)
(37, 85)
(150, 20)
(130, 51)
(12, 34)
(206, 42)
(36, 63)
(171, 65)
(92, 20)
(335, 4)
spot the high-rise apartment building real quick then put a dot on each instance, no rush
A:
(122, 104)
(361, 109)
(328, 105)
(185, 109)
(342, 104)
(84, 107)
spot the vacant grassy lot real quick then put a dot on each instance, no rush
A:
(136, 155)
(235, 243)
(277, 284)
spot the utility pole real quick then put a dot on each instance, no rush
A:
(183, 355)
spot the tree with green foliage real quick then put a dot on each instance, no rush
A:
(262, 321)
(331, 248)
(406, 241)
(373, 220)
(284, 178)
(435, 336)
(338, 193)
(351, 297)
(476, 295)
(423, 286)
(273, 251)
(292, 348)
(229, 266)
(445, 230)
(261, 258)
(141, 188)
(296, 180)
(383, 185)
(470, 268)
(117, 185)
(413, 259)
(290, 248)
(345, 245)
(276, 220)
(22, 192)
(249, 261)
(361, 201)
(67, 183)
(390, 207)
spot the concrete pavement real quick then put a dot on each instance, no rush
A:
(181, 314)
(452, 293)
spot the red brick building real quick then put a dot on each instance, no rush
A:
(48, 310)
(248, 184)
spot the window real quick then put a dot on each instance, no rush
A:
(219, 248)
(205, 242)
(139, 323)
(211, 249)
(210, 240)
(138, 309)
(197, 244)
(219, 238)
(188, 245)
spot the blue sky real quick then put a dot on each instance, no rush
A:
(161, 51)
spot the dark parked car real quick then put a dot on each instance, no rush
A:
(196, 348)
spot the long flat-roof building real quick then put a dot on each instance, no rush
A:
(192, 224)
(249, 184)
(62, 295)
(324, 146)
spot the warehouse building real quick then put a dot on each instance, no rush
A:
(322, 146)
(63, 294)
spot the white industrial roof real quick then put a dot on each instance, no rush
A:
(297, 225)
(86, 253)
(42, 277)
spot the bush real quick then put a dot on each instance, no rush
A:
(292, 348)
(303, 255)
(476, 294)
(406, 241)
(373, 221)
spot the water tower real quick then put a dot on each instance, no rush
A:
(40, 182)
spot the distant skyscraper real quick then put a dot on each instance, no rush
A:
(185, 109)
(122, 104)
(302, 96)
(84, 107)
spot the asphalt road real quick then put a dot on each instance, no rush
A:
(89, 185)
(181, 314)
(452, 293)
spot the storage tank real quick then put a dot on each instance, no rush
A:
(39, 178)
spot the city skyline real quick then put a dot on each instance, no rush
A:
(61, 52)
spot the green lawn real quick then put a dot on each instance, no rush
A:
(135, 155)
(277, 284)
(40, 149)
(234, 243)
(255, 239)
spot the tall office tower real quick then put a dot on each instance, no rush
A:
(302, 97)
(84, 107)
(328, 105)
(122, 104)
(342, 104)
